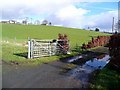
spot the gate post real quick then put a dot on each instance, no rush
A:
(29, 48)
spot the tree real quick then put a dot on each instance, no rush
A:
(24, 22)
(44, 22)
(97, 30)
(50, 23)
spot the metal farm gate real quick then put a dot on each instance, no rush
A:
(40, 48)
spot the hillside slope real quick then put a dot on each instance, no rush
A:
(21, 33)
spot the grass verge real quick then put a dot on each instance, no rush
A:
(106, 79)
(14, 53)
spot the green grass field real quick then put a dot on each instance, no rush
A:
(13, 33)
(22, 32)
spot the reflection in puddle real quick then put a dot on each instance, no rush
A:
(82, 71)
(75, 58)
(98, 63)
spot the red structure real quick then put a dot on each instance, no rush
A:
(95, 42)
(63, 43)
(113, 43)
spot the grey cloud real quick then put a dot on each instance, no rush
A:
(102, 21)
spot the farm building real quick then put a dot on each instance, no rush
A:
(12, 21)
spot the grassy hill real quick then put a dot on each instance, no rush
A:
(13, 33)
(22, 32)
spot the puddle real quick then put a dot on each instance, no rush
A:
(75, 58)
(82, 72)
(98, 63)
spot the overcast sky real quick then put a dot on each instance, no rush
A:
(68, 13)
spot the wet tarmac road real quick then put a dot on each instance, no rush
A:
(42, 76)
